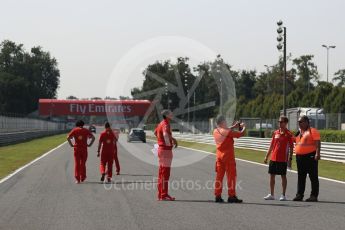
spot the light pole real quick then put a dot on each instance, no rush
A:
(221, 90)
(194, 108)
(186, 85)
(328, 47)
(167, 94)
(282, 45)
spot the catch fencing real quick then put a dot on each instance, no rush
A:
(15, 129)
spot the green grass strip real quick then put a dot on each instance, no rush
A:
(14, 156)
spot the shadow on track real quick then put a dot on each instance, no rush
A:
(244, 203)
(124, 174)
(330, 202)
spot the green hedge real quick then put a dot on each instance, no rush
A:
(337, 136)
(332, 136)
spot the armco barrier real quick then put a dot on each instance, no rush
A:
(329, 151)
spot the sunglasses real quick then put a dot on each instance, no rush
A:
(301, 122)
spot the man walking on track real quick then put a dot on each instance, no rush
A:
(225, 160)
(106, 149)
(281, 146)
(81, 137)
(308, 146)
(165, 143)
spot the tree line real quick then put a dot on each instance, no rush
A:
(25, 77)
(258, 94)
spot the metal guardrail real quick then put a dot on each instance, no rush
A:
(329, 150)
(10, 124)
(17, 137)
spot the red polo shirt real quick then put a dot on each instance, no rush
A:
(80, 136)
(282, 140)
(164, 127)
(108, 139)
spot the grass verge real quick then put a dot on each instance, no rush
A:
(14, 156)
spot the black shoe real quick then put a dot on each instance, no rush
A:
(298, 197)
(102, 177)
(311, 199)
(234, 199)
(219, 199)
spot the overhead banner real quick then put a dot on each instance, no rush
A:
(54, 107)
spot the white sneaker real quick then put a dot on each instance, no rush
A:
(282, 198)
(269, 197)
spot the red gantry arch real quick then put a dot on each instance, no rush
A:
(56, 107)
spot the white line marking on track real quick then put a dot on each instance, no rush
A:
(30, 163)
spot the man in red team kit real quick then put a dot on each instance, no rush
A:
(165, 143)
(107, 142)
(80, 136)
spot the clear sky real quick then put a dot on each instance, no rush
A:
(88, 38)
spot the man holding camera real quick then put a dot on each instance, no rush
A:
(225, 161)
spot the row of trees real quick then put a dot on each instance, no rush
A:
(304, 89)
(25, 77)
(72, 97)
(258, 94)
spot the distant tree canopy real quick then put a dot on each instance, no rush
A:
(258, 94)
(25, 77)
(71, 97)
(96, 98)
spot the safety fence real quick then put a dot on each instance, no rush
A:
(16, 128)
(10, 124)
(329, 151)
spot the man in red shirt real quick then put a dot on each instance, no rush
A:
(107, 142)
(225, 161)
(281, 145)
(80, 136)
(165, 143)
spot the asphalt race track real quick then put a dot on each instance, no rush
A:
(44, 196)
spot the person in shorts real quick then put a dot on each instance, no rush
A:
(280, 153)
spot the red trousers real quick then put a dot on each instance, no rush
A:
(228, 167)
(165, 159)
(117, 163)
(106, 162)
(80, 157)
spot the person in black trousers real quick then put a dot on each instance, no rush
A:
(307, 150)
